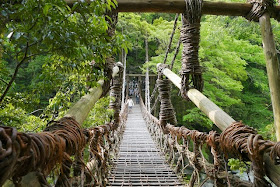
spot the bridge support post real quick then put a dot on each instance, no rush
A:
(147, 90)
(116, 92)
(147, 85)
(124, 79)
(273, 69)
(167, 113)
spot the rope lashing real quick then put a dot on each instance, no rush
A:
(46, 152)
(166, 114)
(116, 92)
(22, 153)
(259, 8)
(244, 142)
(190, 36)
(165, 58)
(104, 141)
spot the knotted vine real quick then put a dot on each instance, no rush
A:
(191, 71)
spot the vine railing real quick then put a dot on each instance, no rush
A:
(65, 154)
(204, 155)
(187, 148)
(61, 148)
(104, 147)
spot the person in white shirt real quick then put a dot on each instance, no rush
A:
(130, 103)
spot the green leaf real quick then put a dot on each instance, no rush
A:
(46, 8)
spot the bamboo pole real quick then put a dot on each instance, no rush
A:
(221, 119)
(215, 114)
(81, 109)
(273, 69)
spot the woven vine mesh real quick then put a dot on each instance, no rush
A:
(51, 151)
(186, 150)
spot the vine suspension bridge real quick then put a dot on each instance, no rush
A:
(136, 148)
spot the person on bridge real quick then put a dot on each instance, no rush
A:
(130, 103)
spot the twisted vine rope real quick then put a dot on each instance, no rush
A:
(190, 35)
(165, 58)
(259, 8)
(183, 148)
(22, 153)
(166, 114)
(116, 92)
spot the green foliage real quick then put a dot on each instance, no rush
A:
(52, 26)
(196, 116)
(55, 48)
(100, 114)
(17, 117)
(236, 164)
(74, 34)
(268, 132)
(136, 29)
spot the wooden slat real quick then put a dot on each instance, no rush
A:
(139, 162)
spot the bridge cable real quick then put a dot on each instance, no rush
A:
(171, 67)
(171, 38)
(165, 58)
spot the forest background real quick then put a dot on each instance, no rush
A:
(47, 52)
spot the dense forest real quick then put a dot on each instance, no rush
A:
(48, 48)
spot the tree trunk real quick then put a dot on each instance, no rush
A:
(273, 69)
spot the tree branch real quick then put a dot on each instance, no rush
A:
(15, 74)
(3, 81)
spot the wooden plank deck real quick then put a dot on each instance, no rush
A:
(139, 162)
